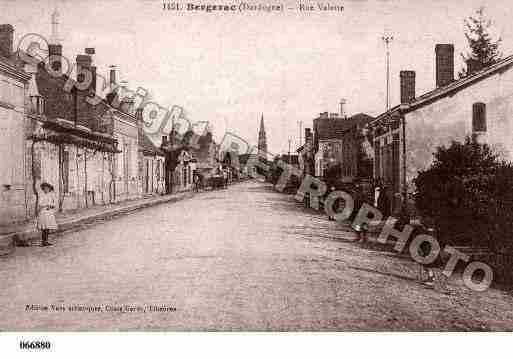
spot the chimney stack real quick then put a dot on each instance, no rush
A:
(308, 135)
(444, 64)
(407, 86)
(473, 66)
(342, 108)
(6, 40)
(112, 75)
(55, 57)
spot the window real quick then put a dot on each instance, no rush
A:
(479, 117)
(377, 159)
(65, 171)
(37, 105)
(157, 170)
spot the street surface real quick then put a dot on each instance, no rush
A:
(244, 258)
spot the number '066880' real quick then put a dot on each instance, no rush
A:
(35, 345)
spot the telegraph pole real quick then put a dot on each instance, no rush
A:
(289, 161)
(387, 39)
(300, 133)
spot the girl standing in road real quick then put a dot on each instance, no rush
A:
(46, 212)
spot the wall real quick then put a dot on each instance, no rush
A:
(450, 118)
(152, 175)
(88, 174)
(128, 181)
(329, 153)
(12, 157)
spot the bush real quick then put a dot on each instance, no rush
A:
(467, 193)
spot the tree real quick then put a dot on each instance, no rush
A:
(484, 50)
(457, 190)
(467, 194)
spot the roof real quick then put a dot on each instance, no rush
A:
(9, 67)
(327, 128)
(451, 89)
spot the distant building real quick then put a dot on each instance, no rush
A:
(251, 163)
(329, 130)
(262, 140)
(122, 120)
(356, 162)
(151, 161)
(306, 155)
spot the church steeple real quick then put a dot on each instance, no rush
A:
(262, 140)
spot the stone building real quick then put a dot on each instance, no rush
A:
(406, 136)
(120, 116)
(356, 162)
(151, 160)
(329, 131)
(305, 153)
(70, 147)
(13, 97)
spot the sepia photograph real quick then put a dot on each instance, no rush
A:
(230, 166)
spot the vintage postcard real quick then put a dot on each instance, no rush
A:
(252, 166)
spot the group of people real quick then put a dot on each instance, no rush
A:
(219, 180)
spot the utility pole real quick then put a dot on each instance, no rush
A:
(300, 133)
(289, 160)
(387, 39)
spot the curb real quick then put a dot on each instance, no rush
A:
(7, 241)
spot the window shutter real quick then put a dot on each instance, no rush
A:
(479, 117)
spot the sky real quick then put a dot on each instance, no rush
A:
(228, 69)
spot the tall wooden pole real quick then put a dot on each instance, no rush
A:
(387, 39)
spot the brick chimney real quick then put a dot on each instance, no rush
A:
(6, 40)
(473, 66)
(84, 111)
(90, 51)
(55, 57)
(444, 64)
(308, 134)
(84, 63)
(343, 107)
(112, 75)
(407, 86)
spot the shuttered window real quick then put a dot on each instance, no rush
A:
(65, 171)
(479, 117)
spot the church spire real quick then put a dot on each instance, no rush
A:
(262, 140)
(262, 128)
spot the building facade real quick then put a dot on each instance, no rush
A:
(406, 136)
(151, 166)
(13, 98)
(329, 133)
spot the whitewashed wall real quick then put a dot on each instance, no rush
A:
(12, 150)
(127, 135)
(450, 118)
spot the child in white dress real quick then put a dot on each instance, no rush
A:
(46, 212)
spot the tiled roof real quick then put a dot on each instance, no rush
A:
(450, 89)
(333, 128)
